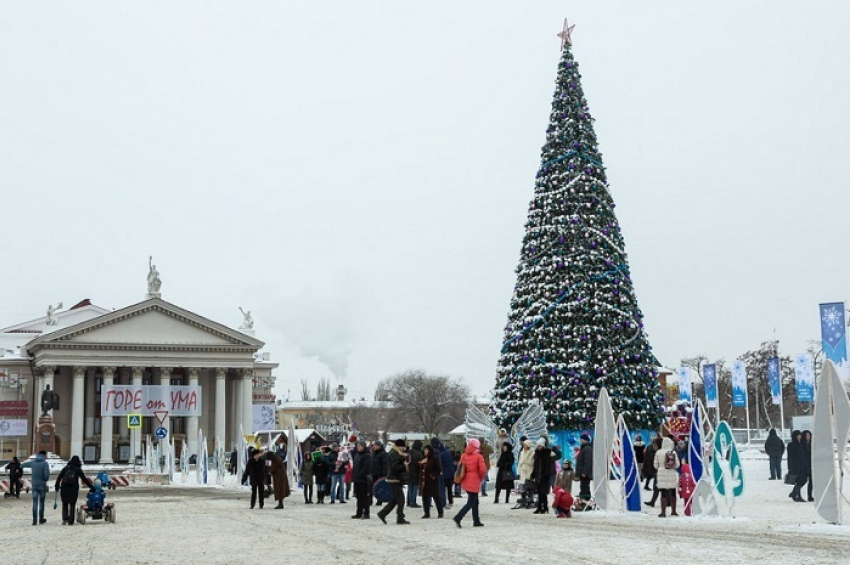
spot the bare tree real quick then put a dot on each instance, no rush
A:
(305, 390)
(323, 390)
(431, 404)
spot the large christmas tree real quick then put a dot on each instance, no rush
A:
(574, 324)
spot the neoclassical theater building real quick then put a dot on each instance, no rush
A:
(84, 348)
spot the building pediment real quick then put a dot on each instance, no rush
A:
(152, 323)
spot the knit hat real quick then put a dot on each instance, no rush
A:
(475, 443)
(585, 437)
(541, 442)
(400, 443)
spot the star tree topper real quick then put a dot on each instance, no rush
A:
(565, 34)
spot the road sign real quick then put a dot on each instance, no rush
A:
(161, 415)
(134, 421)
(161, 432)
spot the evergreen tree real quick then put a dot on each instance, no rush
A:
(574, 324)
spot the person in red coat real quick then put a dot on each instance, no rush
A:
(687, 486)
(563, 503)
(474, 471)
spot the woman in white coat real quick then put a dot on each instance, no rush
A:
(666, 463)
(525, 467)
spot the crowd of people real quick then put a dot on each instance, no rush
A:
(439, 477)
(396, 478)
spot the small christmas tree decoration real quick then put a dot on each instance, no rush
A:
(574, 324)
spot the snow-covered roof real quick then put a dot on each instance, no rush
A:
(331, 404)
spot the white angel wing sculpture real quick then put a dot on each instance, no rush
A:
(531, 424)
(478, 424)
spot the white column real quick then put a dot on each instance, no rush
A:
(236, 408)
(90, 392)
(164, 380)
(220, 414)
(106, 422)
(77, 416)
(123, 431)
(136, 434)
(247, 400)
(192, 421)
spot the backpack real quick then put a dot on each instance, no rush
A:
(670, 460)
(70, 477)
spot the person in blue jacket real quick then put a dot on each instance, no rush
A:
(447, 479)
(40, 476)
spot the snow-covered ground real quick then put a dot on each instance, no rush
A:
(191, 524)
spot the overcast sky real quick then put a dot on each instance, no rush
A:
(357, 174)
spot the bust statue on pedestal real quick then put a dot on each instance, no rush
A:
(49, 401)
(45, 437)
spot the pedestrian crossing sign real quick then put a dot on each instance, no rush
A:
(134, 421)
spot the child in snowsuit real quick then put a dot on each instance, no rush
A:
(563, 503)
(687, 486)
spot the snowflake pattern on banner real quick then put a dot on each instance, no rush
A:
(833, 321)
(574, 324)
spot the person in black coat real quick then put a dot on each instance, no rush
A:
(397, 461)
(255, 474)
(542, 461)
(584, 467)
(797, 464)
(807, 448)
(362, 479)
(446, 482)
(414, 474)
(505, 472)
(16, 473)
(647, 469)
(68, 485)
(321, 475)
(640, 451)
(379, 466)
(234, 462)
(775, 449)
(431, 476)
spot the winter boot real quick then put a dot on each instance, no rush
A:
(663, 507)
(673, 506)
(279, 505)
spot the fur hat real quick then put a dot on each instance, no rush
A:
(541, 442)
(585, 437)
(400, 443)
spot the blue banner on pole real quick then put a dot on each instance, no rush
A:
(774, 379)
(833, 332)
(804, 375)
(709, 377)
(739, 383)
(685, 384)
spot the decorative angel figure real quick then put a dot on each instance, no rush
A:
(531, 424)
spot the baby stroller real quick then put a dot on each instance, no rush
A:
(96, 507)
(527, 495)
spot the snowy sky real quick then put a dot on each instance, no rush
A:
(358, 173)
